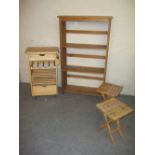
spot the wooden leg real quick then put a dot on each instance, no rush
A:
(109, 129)
(105, 97)
(119, 128)
(107, 125)
(104, 125)
(110, 134)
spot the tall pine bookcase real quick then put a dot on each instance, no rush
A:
(64, 45)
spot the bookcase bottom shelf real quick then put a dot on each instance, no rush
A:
(81, 90)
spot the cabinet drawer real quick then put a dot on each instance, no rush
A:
(41, 57)
(44, 90)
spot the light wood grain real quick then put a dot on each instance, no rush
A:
(107, 47)
(44, 90)
(86, 46)
(34, 50)
(43, 63)
(84, 77)
(41, 57)
(113, 110)
(84, 69)
(108, 90)
(85, 18)
(63, 20)
(86, 56)
(80, 90)
(87, 32)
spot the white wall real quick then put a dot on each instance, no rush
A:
(39, 27)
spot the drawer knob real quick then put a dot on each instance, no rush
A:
(42, 54)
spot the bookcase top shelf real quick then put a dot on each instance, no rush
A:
(85, 18)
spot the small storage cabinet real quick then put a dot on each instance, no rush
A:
(43, 63)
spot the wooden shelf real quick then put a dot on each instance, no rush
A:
(80, 90)
(83, 69)
(86, 18)
(86, 56)
(64, 47)
(87, 32)
(84, 77)
(87, 46)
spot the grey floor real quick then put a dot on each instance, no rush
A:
(66, 125)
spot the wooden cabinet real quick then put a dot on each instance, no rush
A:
(43, 63)
(64, 46)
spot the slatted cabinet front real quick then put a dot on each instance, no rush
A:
(43, 70)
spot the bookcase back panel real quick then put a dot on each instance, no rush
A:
(87, 51)
(84, 82)
(87, 26)
(87, 74)
(86, 62)
(87, 39)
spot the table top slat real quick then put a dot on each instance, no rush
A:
(114, 108)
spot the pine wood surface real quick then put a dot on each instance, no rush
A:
(81, 90)
(86, 18)
(84, 77)
(43, 63)
(84, 69)
(114, 109)
(40, 90)
(87, 32)
(33, 50)
(86, 46)
(86, 56)
(64, 45)
(109, 89)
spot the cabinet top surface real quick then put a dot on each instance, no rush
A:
(41, 49)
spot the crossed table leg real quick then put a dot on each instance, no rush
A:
(111, 130)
